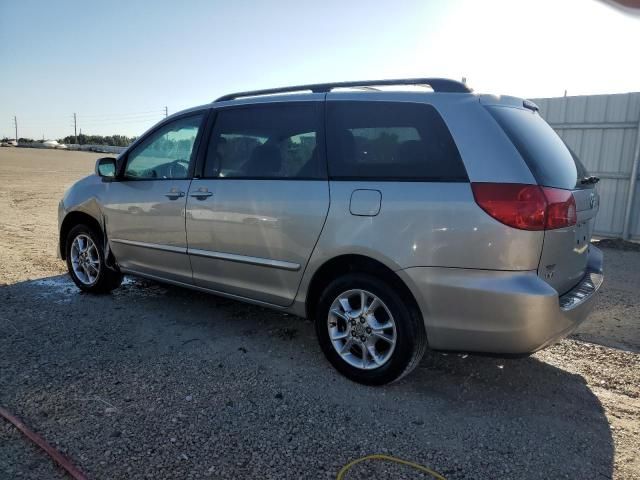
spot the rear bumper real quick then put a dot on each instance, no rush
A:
(497, 311)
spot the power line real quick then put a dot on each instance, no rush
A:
(117, 122)
(93, 121)
(140, 115)
(121, 118)
(120, 115)
(112, 120)
(30, 124)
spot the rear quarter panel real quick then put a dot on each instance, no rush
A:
(422, 224)
(434, 224)
(425, 224)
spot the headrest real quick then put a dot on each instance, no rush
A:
(265, 160)
(347, 146)
(411, 152)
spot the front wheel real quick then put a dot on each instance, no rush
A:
(368, 331)
(85, 262)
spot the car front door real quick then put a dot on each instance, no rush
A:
(144, 207)
(255, 215)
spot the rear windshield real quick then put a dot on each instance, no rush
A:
(551, 161)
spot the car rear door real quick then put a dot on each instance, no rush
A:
(565, 250)
(255, 215)
(144, 207)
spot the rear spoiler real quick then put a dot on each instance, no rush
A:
(508, 101)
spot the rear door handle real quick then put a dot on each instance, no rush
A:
(174, 194)
(201, 194)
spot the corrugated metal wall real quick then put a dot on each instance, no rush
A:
(603, 131)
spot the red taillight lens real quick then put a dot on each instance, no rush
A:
(519, 206)
(561, 208)
(526, 207)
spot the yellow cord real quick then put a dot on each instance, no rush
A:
(388, 458)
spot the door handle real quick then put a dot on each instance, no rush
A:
(201, 194)
(174, 194)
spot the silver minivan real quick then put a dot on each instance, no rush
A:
(396, 219)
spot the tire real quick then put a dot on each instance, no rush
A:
(102, 280)
(385, 362)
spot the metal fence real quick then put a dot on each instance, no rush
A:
(604, 131)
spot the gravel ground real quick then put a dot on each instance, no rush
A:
(159, 382)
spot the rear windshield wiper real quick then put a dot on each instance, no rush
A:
(589, 180)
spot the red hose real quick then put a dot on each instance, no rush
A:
(57, 457)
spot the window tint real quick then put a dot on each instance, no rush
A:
(392, 141)
(551, 162)
(267, 141)
(167, 152)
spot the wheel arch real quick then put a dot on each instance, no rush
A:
(352, 263)
(71, 220)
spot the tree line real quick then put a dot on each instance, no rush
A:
(114, 140)
(82, 139)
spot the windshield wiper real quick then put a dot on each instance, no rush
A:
(589, 180)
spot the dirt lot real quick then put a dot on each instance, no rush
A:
(159, 382)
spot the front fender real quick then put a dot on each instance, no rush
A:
(82, 199)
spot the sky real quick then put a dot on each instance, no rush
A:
(117, 64)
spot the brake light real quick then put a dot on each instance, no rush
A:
(561, 208)
(526, 207)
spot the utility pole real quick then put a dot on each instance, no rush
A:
(15, 122)
(166, 112)
(75, 129)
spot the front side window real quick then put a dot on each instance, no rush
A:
(390, 141)
(167, 153)
(273, 141)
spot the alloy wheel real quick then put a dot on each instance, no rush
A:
(85, 259)
(362, 330)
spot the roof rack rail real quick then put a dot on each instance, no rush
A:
(437, 84)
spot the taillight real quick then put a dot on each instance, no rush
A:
(526, 207)
(561, 208)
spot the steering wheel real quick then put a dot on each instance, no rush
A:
(178, 169)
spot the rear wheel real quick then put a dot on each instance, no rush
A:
(368, 331)
(85, 261)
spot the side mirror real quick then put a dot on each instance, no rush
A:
(106, 167)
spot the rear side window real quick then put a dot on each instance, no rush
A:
(271, 141)
(551, 161)
(390, 141)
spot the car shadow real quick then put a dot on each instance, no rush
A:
(258, 394)
(615, 322)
